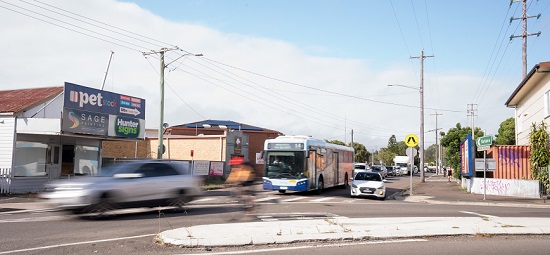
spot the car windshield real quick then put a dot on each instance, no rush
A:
(285, 164)
(360, 166)
(111, 170)
(376, 168)
(367, 177)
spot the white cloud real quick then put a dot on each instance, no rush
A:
(37, 54)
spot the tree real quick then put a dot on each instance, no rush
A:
(336, 142)
(392, 145)
(540, 153)
(451, 141)
(386, 156)
(361, 153)
(506, 133)
(430, 153)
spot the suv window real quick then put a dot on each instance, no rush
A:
(156, 170)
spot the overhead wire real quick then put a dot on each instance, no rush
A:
(105, 25)
(64, 27)
(488, 80)
(326, 91)
(402, 36)
(174, 91)
(125, 43)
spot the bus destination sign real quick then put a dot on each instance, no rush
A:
(285, 146)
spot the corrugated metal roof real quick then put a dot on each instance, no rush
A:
(229, 124)
(15, 101)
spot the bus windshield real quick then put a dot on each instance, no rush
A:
(285, 164)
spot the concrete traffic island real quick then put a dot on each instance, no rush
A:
(334, 229)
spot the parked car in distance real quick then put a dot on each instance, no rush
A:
(398, 171)
(391, 171)
(361, 166)
(149, 183)
(380, 169)
(368, 184)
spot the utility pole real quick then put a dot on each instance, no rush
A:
(437, 145)
(161, 52)
(524, 33)
(472, 113)
(352, 138)
(160, 150)
(421, 138)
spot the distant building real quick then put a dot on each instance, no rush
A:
(207, 140)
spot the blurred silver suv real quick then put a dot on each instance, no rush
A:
(128, 185)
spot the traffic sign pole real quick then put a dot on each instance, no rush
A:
(484, 144)
(411, 140)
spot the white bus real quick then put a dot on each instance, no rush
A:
(301, 163)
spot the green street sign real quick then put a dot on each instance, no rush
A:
(484, 141)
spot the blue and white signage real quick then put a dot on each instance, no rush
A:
(98, 112)
(94, 100)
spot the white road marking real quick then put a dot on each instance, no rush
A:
(77, 243)
(314, 246)
(479, 214)
(203, 200)
(265, 199)
(293, 199)
(34, 219)
(322, 199)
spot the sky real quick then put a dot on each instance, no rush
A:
(319, 68)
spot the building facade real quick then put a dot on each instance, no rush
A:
(56, 132)
(531, 101)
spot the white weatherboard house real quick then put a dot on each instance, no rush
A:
(531, 101)
(56, 132)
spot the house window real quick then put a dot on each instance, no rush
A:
(30, 159)
(519, 123)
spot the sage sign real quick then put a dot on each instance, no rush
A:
(127, 127)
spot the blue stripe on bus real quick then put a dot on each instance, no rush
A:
(302, 186)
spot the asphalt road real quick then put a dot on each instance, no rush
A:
(46, 232)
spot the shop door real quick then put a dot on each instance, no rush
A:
(53, 159)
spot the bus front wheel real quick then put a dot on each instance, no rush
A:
(320, 186)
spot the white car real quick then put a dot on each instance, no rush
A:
(149, 183)
(369, 184)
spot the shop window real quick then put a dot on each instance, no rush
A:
(86, 160)
(30, 159)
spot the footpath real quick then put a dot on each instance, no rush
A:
(436, 190)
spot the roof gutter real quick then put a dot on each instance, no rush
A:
(523, 82)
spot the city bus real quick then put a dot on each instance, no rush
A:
(302, 163)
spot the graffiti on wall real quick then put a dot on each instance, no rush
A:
(503, 187)
(497, 186)
(509, 156)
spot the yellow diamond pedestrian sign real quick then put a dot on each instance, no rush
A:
(411, 140)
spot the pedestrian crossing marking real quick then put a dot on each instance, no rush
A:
(265, 199)
(322, 199)
(293, 199)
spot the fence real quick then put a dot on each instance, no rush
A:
(544, 191)
(5, 180)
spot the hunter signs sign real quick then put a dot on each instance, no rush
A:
(98, 112)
